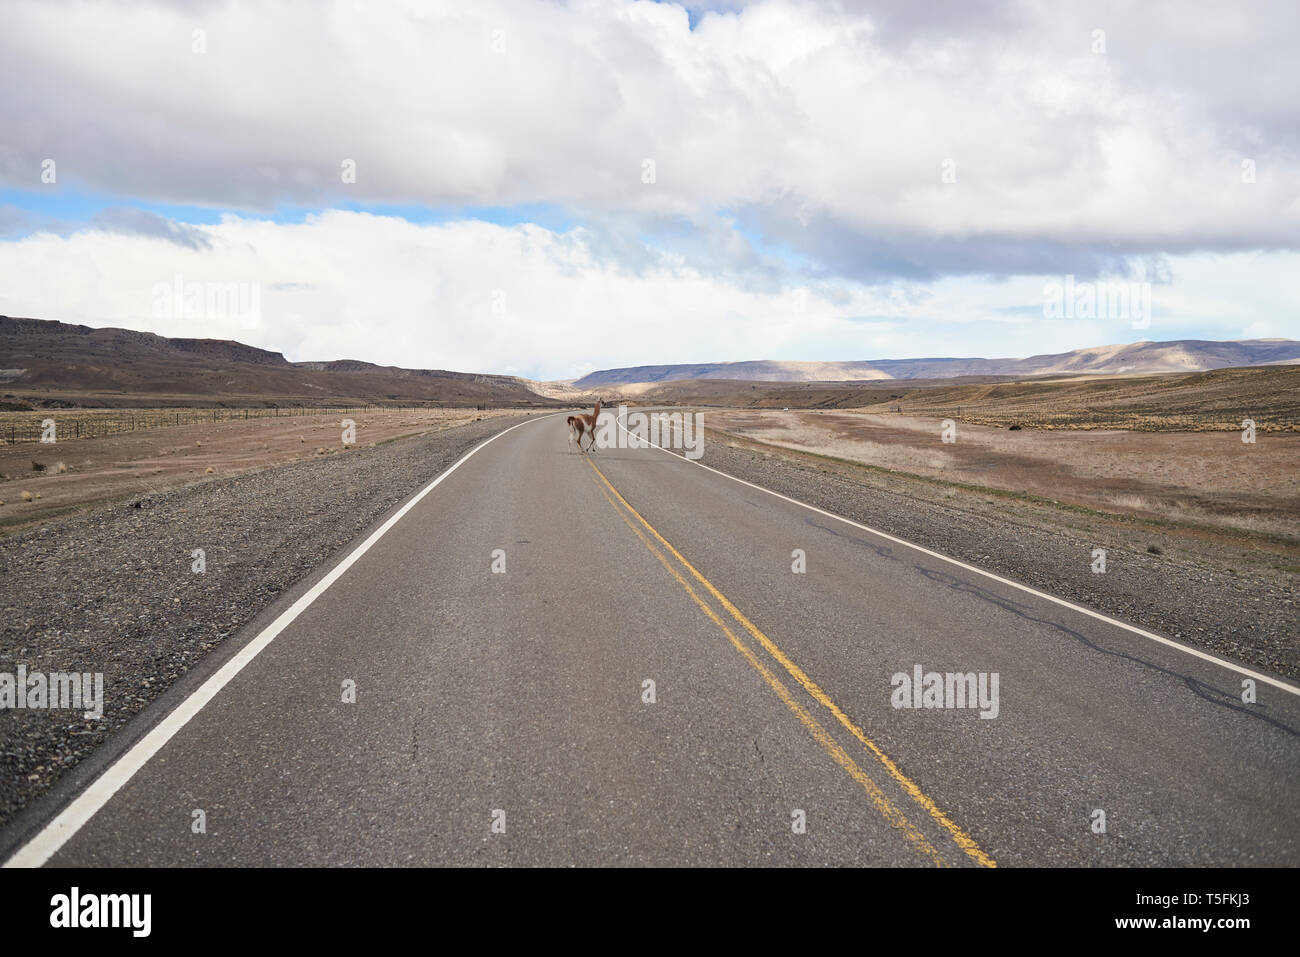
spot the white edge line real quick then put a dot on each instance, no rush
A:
(89, 802)
(1205, 656)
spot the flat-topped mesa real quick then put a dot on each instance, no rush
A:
(1140, 358)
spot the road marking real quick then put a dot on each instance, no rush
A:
(1195, 652)
(89, 802)
(886, 807)
(959, 836)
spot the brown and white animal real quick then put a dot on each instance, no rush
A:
(583, 423)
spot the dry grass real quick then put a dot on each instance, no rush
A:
(27, 427)
(1208, 479)
(1195, 402)
(151, 460)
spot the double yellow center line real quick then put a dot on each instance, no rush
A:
(661, 549)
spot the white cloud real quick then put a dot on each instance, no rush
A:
(354, 285)
(819, 130)
(1064, 158)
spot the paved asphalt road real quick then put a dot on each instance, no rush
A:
(519, 697)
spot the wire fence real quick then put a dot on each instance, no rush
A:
(52, 425)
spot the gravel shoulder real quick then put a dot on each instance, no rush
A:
(1225, 597)
(113, 590)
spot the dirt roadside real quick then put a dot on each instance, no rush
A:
(82, 473)
(1199, 485)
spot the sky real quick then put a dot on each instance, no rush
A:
(549, 188)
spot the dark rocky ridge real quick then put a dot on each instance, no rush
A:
(49, 362)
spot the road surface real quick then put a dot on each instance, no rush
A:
(505, 716)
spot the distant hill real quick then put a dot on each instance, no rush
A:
(50, 362)
(1214, 400)
(1183, 355)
